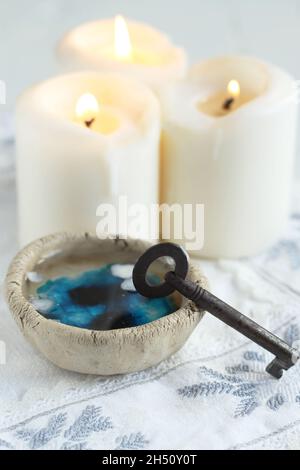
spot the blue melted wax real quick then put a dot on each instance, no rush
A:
(97, 300)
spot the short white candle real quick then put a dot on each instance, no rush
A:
(228, 142)
(123, 46)
(82, 140)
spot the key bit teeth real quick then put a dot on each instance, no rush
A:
(277, 366)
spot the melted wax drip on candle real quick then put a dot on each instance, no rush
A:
(101, 299)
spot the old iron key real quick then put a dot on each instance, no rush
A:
(285, 355)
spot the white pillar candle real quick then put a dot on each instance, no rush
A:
(128, 47)
(82, 140)
(228, 143)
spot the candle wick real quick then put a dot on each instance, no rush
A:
(228, 103)
(89, 122)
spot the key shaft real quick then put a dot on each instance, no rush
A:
(286, 356)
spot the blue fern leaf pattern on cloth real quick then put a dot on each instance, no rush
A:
(131, 442)
(235, 383)
(25, 434)
(254, 356)
(292, 334)
(74, 446)
(218, 375)
(38, 439)
(244, 390)
(5, 445)
(275, 402)
(245, 407)
(240, 383)
(90, 420)
(235, 369)
(205, 389)
(288, 249)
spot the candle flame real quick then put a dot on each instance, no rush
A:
(123, 47)
(87, 107)
(233, 88)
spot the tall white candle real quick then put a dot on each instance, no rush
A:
(123, 46)
(228, 143)
(82, 140)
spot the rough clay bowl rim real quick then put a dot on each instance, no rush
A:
(24, 312)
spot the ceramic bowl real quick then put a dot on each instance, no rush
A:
(107, 352)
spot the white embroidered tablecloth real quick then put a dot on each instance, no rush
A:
(213, 394)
